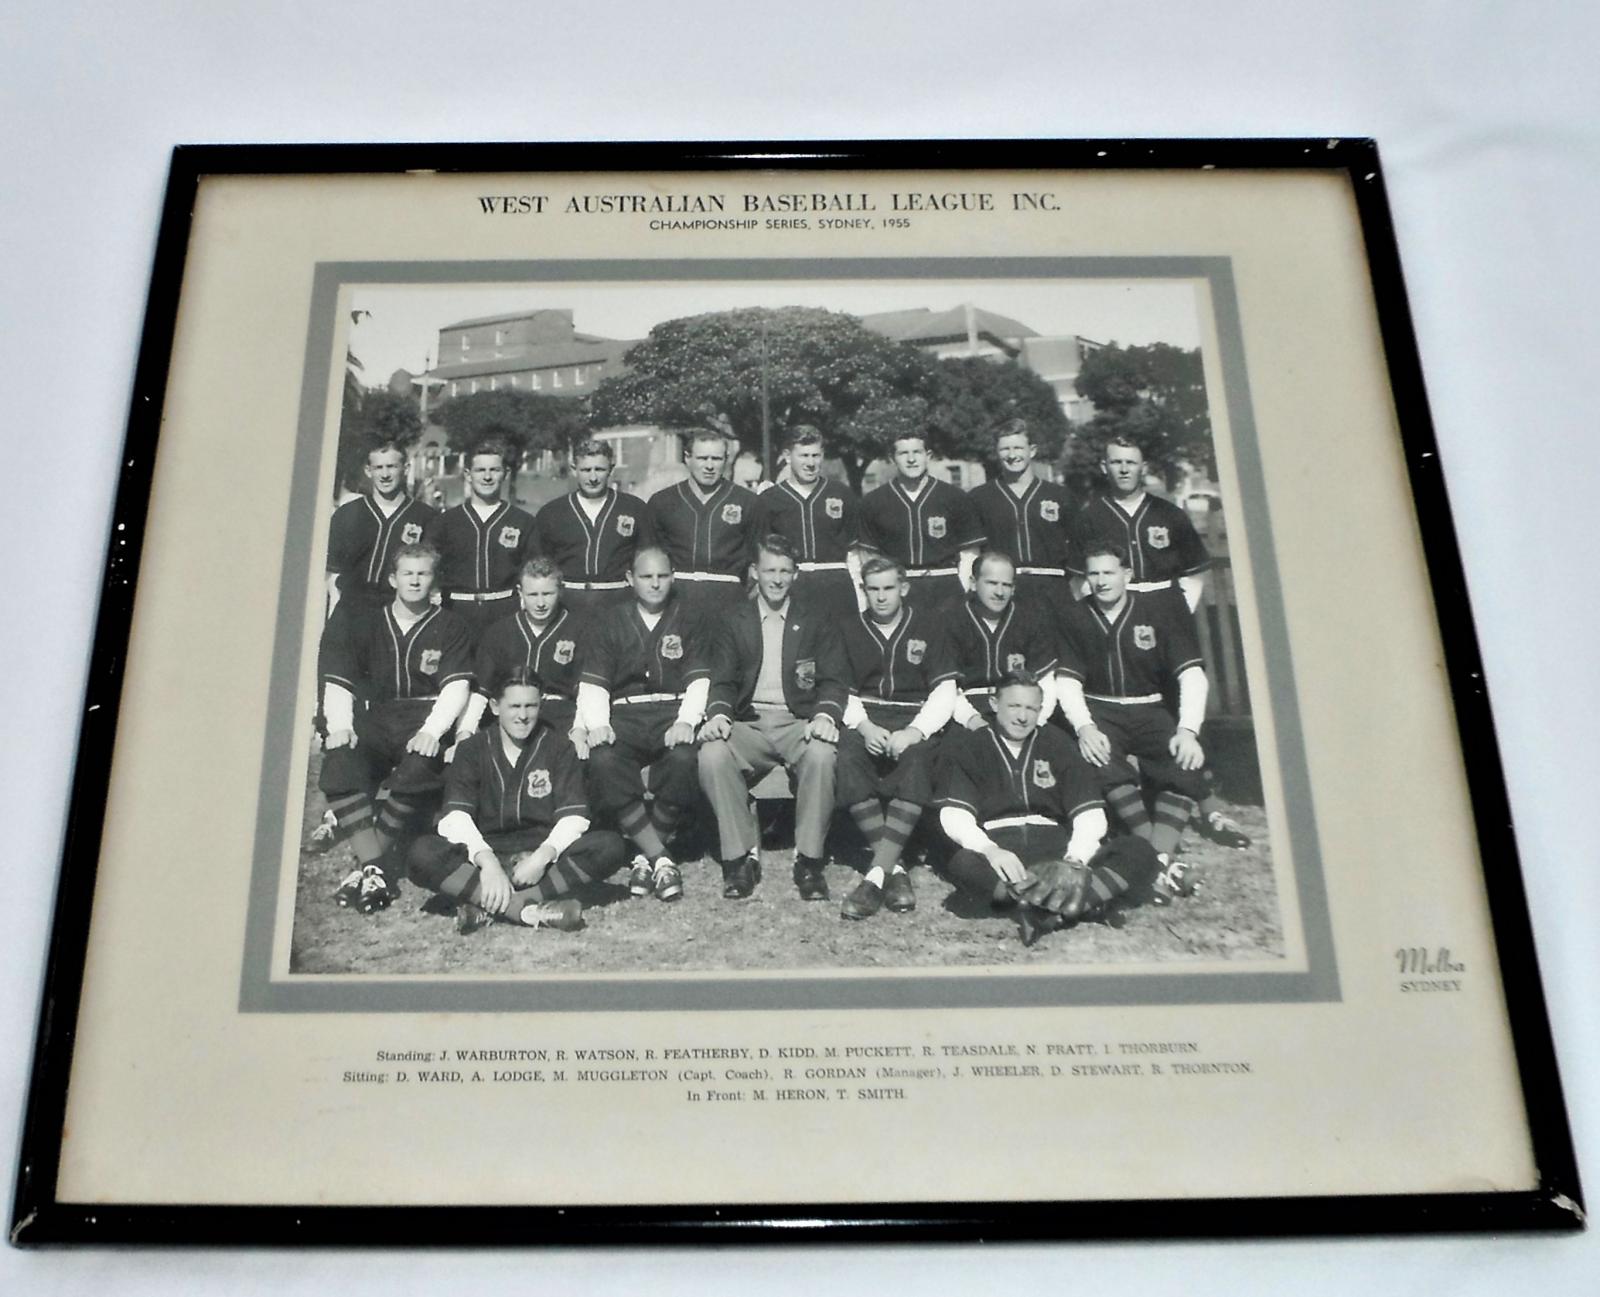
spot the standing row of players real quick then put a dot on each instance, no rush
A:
(668, 666)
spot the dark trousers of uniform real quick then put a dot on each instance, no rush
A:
(1143, 730)
(710, 599)
(592, 602)
(380, 756)
(830, 594)
(931, 593)
(860, 775)
(729, 766)
(443, 867)
(1031, 843)
(478, 617)
(616, 771)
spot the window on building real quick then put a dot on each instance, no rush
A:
(533, 381)
(452, 387)
(464, 343)
(494, 383)
(577, 376)
(474, 391)
(555, 378)
(499, 336)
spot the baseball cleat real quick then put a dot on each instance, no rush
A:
(564, 916)
(897, 893)
(376, 894)
(1177, 878)
(1223, 831)
(863, 902)
(641, 878)
(666, 880)
(470, 917)
(349, 890)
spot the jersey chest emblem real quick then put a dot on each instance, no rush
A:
(833, 506)
(672, 647)
(411, 533)
(538, 783)
(1144, 636)
(916, 650)
(509, 536)
(733, 514)
(1157, 536)
(1050, 510)
(937, 526)
(1043, 776)
(564, 651)
(428, 664)
(1016, 662)
(805, 673)
(625, 525)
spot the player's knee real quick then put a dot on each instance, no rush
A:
(715, 756)
(818, 755)
(341, 774)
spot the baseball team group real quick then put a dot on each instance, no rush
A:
(516, 707)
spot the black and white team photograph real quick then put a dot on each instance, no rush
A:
(755, 626)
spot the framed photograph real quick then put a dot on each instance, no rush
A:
(451, 834)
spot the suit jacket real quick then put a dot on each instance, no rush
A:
(814, 674)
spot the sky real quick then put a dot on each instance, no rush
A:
(401, 331)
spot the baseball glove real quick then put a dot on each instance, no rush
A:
(1058, 887)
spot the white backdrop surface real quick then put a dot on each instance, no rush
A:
(1489, 122)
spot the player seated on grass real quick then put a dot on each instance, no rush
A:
(641, 695)
(1122, 651)
(514, 841)
(543, 635)
(394, 680)
(1022, 806)
(902, 691)
(777, 697)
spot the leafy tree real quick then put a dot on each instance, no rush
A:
(527, 421)
(370, 416)
(973, 396)
(821, 367)
(1154, 396)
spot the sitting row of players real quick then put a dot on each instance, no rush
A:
(709, 527)
(907, 708)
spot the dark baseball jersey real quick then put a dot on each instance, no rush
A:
(544, 784)
(1162, 543)
(1136, 655)
(716, 535)
(1048, 777)
(593, 550)
(1034, 529)
(378, 660)
(893, 674)
(821, 526)
(478, 555)
(630, 660)
(983, 653)
(552, 655)
(361, 538)
(926, 532)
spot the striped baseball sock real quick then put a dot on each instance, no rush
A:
(1173, 811)
(868, 816)
(352, 815)
(899, 819)
(394, 817)
(1128, 804)
(634, 821)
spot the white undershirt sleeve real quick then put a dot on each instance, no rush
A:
(852, 560)
(338, 708)
(1193, 587)
(594, 706)
(961, 827)
(568, 829)
(692, 710)
(1047, 686)
(460, 828)
(854, 713)
(1069, 693)
(964, 567)
(452, 698)
(963, 711)
(936, 712)
(471, 715)
(1088, 832)
(1193, 690)
(333, 592)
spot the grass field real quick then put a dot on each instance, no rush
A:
(1235, 917)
